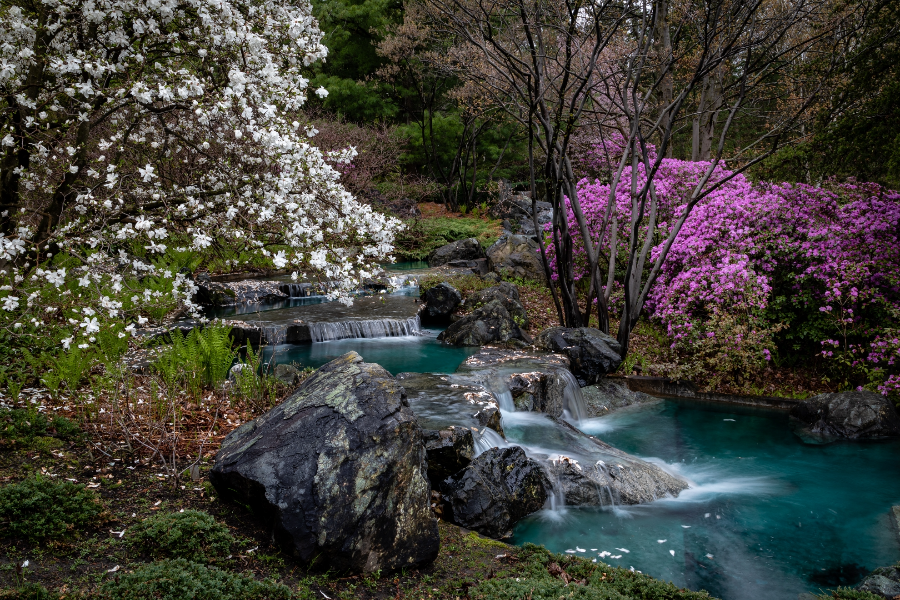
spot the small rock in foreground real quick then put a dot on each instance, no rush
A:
(498, 489)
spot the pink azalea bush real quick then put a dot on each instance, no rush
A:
(763, 272)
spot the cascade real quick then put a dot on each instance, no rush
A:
(573, 400)
(500, 390)
(375, 328)
(297, 290)
(487, 439)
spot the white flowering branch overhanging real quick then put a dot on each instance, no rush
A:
(138, 130)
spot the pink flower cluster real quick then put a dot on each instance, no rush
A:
(838, 245)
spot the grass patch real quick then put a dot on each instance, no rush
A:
(542, 575)
(179, 578)
(31, 429)
(191, 534)
(421, 236)
(39, 508)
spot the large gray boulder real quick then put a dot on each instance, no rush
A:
(339, 471)
(845, 415)
(498, 489)
(440, 302)
(468, 249)
(610, 395)
(505, 293)
(884, 582)
(485, 325)
(517, 256)
(592, 353)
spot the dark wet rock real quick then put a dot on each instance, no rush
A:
(498, 489)
(592, 353)
(505, 293)
(610, 395)
(248, 291)
(895, 519)
(440, 401)
(845, 415)
(339, 471)
(490, 323)
(884, 582)
(536, 381)
(468, 249)
(440, 302)
(617, 478)
(287, 374)
(448, 451)
(491, 276)
(490, 417)
(517, 256)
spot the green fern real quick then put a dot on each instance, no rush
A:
(198, 361)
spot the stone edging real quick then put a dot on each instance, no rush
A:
(669, 388)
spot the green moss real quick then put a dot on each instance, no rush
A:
(179, 579)
(846, 593)
(39, 508)
(421, 236)
(191, 534)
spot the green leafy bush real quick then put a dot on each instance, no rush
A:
(421, 236)
(25, 427)
(191, 534)
(179, 578)
(39, 508)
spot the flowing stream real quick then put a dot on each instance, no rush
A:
(766, 517)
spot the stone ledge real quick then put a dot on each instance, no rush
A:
(664, 387)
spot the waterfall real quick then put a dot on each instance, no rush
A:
(274, 334)
(375, 328)
(500, 390)
(487, 439)
(573, 400)
(296, 290)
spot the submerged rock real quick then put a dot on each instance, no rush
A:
(592, 353)
(610, 395)
(490, 323)
(497, 490)
(339, 471)
(517, 256)
(845, 415)
(618, 478)
(440, 302)
(440, 401)
(468, 249)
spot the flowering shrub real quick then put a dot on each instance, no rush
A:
(140, 138)
(802, 269)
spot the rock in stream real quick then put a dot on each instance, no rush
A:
(845, 415)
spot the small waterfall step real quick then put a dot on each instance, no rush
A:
(374, 328)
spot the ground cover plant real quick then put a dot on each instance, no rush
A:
(192, 535)
(38, 508)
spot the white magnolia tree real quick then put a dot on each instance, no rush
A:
(137, 133)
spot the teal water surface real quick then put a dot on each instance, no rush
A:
(414, 354)
(767, 517)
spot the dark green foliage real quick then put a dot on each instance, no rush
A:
(423, 236)
(587, 581)
(25, 427)
(39, 508)
(191, 534)
(179, 579)
(198, 360)
(28, 591)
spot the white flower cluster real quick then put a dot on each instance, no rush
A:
(132, 129)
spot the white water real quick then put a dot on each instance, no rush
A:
(486, 439)
(375, 328)
(573, 400)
